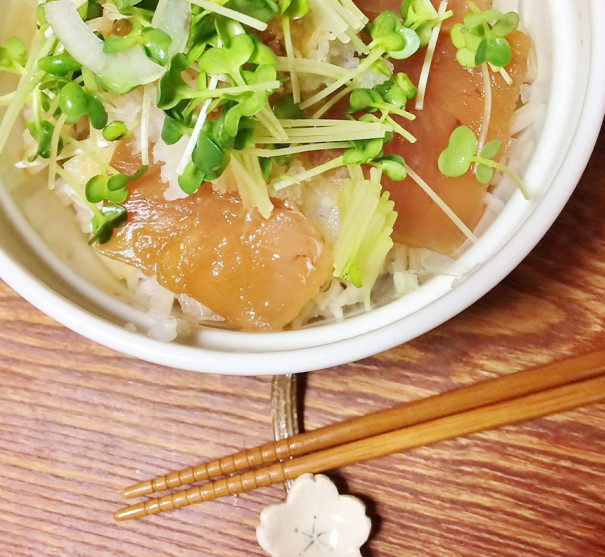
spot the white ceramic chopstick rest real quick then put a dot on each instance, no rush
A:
(314, 520)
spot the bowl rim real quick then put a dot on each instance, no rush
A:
(380, 331)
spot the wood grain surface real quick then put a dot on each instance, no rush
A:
(78, 422)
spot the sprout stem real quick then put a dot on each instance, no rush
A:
(441, 204)
(54, 147)
(41, 47)
(503, 168)
(363, 65)
(307, 175)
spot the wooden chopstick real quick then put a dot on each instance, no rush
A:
(509, 411)
(507, 387)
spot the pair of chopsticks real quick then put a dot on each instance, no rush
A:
(544, 390)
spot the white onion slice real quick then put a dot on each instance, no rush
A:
(175, 21)
(121, 71)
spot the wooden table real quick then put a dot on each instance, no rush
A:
(78, 422)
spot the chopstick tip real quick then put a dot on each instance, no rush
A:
(127, 513)
(137, 490)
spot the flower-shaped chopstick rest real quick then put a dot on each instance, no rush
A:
(315, 520)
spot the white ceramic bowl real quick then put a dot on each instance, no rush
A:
(570, 51)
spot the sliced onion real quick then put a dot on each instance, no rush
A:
(175, 21)
(121, 71)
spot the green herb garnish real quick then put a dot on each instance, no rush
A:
(460, 154)
(367, 219)
(105, 220)
(76, 102)
(481, 37)
(13, 55)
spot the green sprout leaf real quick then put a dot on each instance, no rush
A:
(172, 88)
(230, 120)
(124, 6)
(156, 43)
(405, 85)
(96, 112)
(387, 31)
(201, 32)
(103, 223)
(97, 189)
(459, 155)
(365, 99)
(388, 97)
(508, 23)
(226, 29)
(13, 53)
(75, 102)
(175, 126)
(397, 91)
(59, 64)
(363, 151)
(191, 179)
(209, 157)
(91, 9)
(285, 108)
(481, 37)
(116, 130)
(209, 160)
(228, 59)
(294, 9)
(411, 43)
(266, 165)
(490, 149)
(117, 188)
(384, 31)
(391, 165)
(421, 16)
(485, 173)
(264, 10)
(262, 53)
(457, 158)
(112, 188)
(43, 134)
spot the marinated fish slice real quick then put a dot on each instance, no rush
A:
(256, 273)
(454, 97)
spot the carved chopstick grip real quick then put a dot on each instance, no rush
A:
(243, 460)
(206, 492)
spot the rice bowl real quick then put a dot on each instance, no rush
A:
(71, 287)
